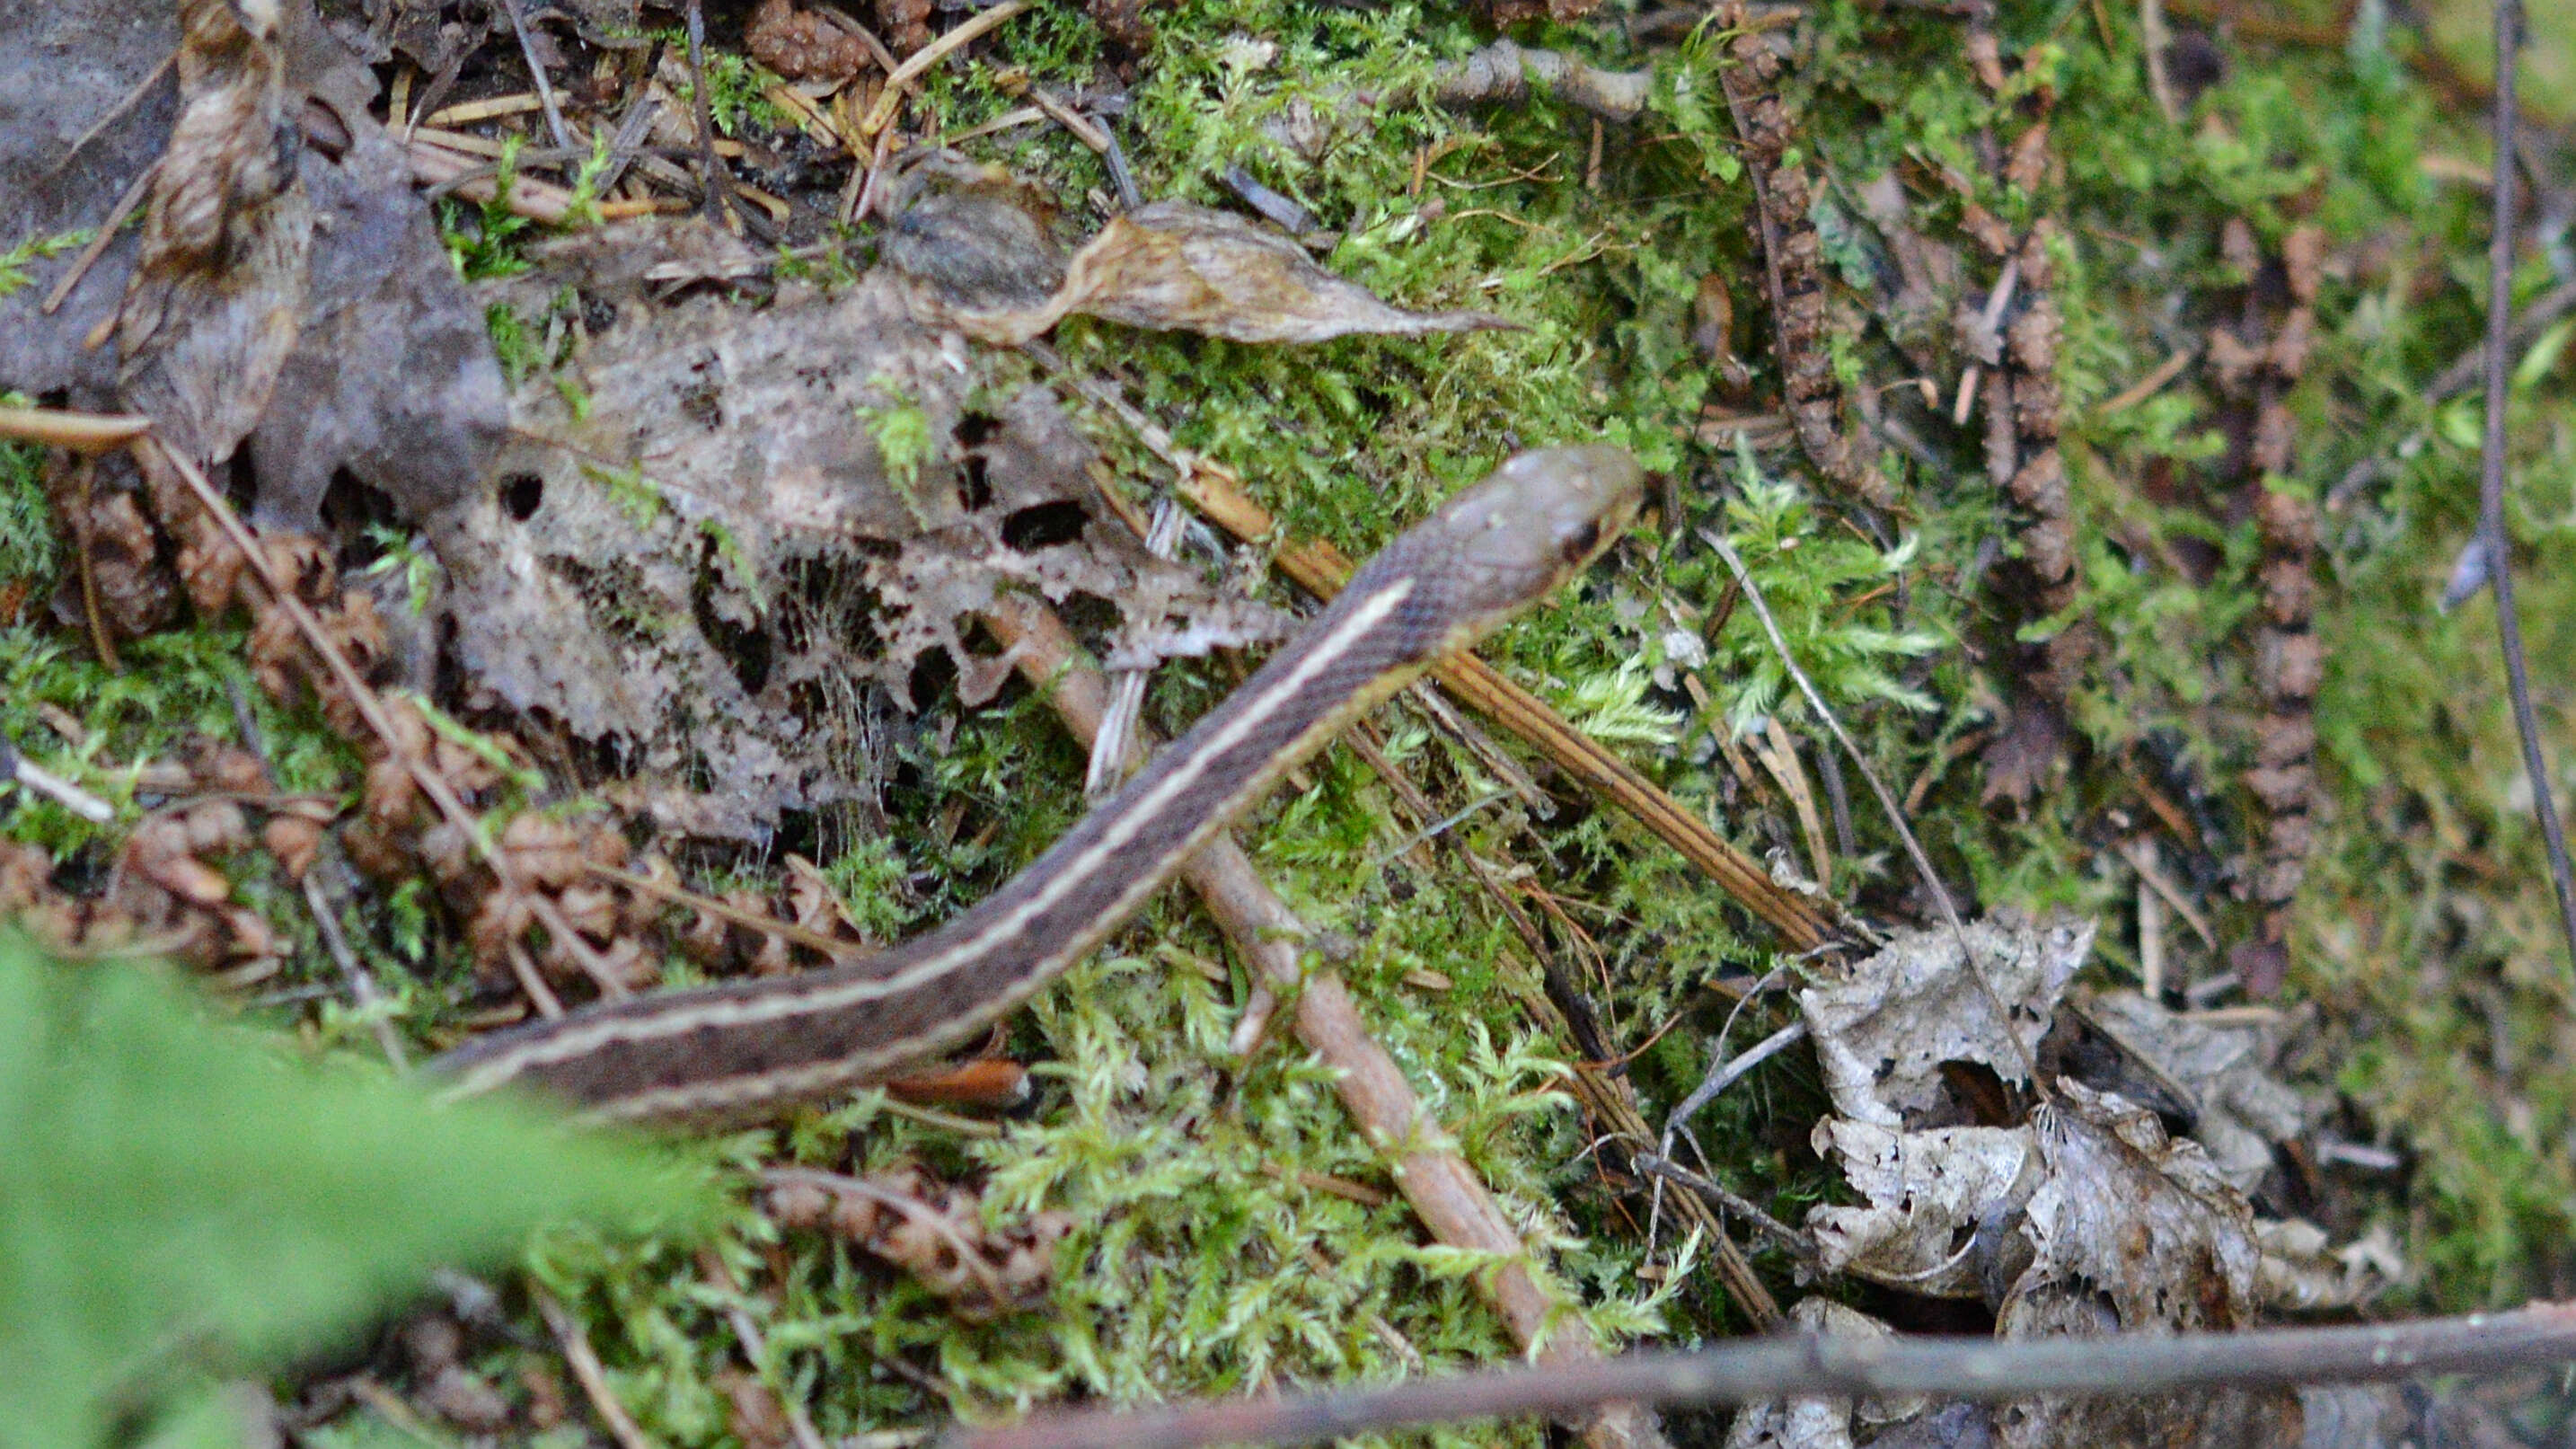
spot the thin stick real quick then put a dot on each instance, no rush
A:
(537, 73)
(1886, 803)
(929, 55)
(75, 432)
(1816, 702)
(1799, 1244)
(84, 538)
(124, 104)
(1818, 1366)
(39, 780)
(586, 1369)
(2517, 674)
(833, 947)
(135, 191)
(1723, 1075)
(1109, 749)
(362, 983)
(715, 184)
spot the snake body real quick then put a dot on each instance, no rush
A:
(739, 1049)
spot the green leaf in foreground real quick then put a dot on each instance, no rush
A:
(180, 1199)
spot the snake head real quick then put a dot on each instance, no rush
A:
(1538, 520)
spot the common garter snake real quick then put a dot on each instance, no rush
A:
(738, 1048)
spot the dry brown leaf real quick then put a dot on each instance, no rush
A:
(2136, 1232)
(2240, 1110)
(1929, 1194)
(739, 619)
(1179, 267)
(215, 299)
(1884, 1030)
(385, 374)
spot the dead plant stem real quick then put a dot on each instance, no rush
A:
(1822, 1366)
(2491, 529)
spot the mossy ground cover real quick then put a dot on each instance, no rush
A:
(1202, 1262)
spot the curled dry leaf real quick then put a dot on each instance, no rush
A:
(213, 305)
(2136, 1232)
(1179, 267)
(1929, 1197)
(2089, 1221)
(2303, 1272)
(349, 352)
(2239, 1109)
(1885, 1029)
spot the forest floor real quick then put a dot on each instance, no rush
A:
(2097, 419)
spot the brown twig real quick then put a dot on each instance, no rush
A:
(715, 184)
(2508, 40)
(832, 947)
(36, 779)
(900, 79)
(1819, 1366)
(1800, 1246)
(586, 1370)
(1503, 73)
(362, 982)
(135, 191)
(537, 74)
(1603, 1095)
(85, 544)
(74, 432)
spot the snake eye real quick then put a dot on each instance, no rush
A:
(1579, 544)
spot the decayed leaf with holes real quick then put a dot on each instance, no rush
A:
(1179, 267)
(1884, 1031)
(623, 258)
(1929, 1196)
(736, 617)
(2240, 1110)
